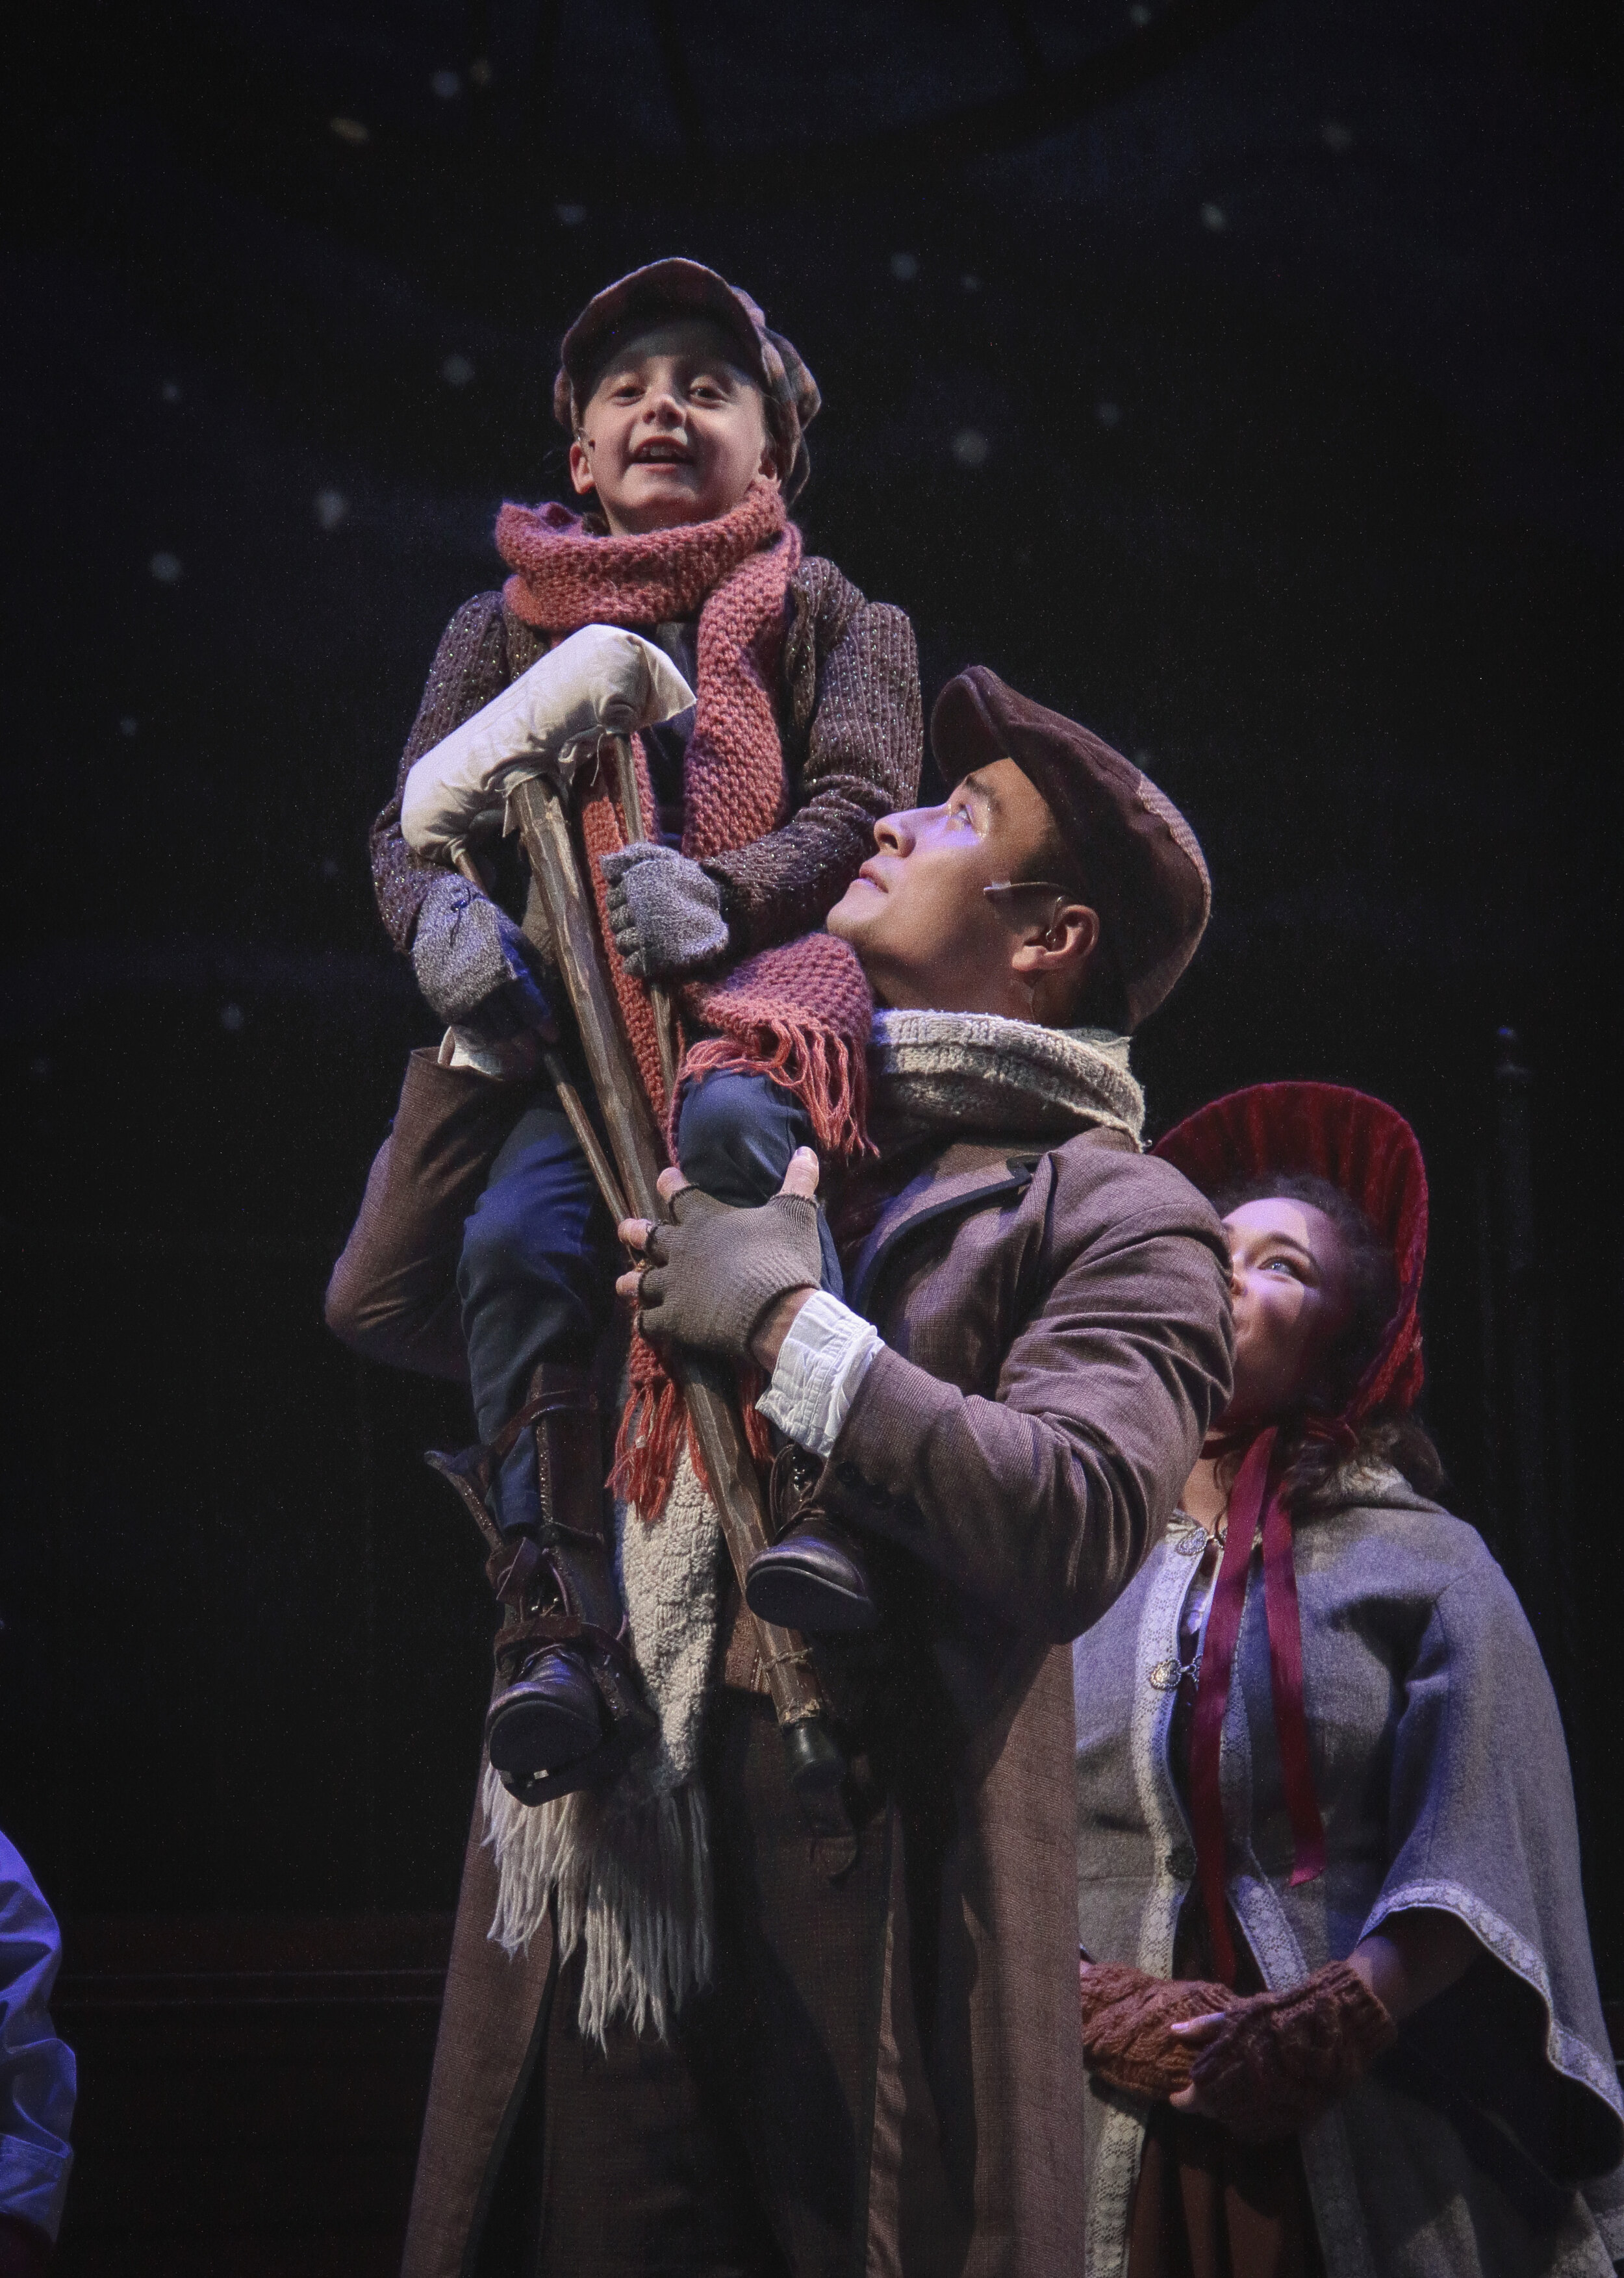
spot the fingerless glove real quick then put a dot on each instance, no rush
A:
(664, 910)
(716, 1269)
(1281, 2059)
(1126, 2013)
(476, 968)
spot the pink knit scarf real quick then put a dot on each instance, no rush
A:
(800, 1011)
(738, 568)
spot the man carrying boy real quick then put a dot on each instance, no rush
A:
(884, 2075)
(686, 417)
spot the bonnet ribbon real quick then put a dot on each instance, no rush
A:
(1256, 1496)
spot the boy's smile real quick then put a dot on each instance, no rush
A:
(673, 432)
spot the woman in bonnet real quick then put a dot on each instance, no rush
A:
(1339, 2005)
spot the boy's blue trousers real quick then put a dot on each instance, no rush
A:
(537, 1273)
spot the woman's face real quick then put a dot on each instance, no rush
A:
(1291, 1288)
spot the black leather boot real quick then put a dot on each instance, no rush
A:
(812, 1581)
(551, 1716)
(568, 1707)
(813, 1578)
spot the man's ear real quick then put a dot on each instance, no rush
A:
(1054, 959)
(580, 466)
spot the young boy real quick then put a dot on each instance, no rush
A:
(687, 417)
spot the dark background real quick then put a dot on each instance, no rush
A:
(1243, 380)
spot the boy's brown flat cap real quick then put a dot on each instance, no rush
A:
(1133, 851)
(687, 288)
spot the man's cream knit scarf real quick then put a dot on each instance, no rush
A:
(977, 1072)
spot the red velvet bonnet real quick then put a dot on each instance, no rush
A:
(1360, 1145)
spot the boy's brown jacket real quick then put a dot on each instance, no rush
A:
(1058, 1341)
(848, 719)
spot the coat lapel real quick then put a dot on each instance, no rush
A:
(962, 1178)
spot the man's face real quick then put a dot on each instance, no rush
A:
(673, 432)
(927, 935)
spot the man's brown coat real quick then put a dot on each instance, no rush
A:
(1058, 1341)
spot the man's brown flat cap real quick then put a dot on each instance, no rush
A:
(1131, 848)
(687, 288)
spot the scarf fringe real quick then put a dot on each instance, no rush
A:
(655, 1429)
(627, 1874)
(804, 1057)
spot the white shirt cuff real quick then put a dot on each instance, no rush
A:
(821, 1363)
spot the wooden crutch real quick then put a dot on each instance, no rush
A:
(816, 1765)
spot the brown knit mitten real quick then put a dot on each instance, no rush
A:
(1280, 2060)
(1126, 2013)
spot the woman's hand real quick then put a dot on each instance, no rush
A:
(1128, 2023)
(1275, 2061)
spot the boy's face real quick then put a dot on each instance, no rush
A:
(673, 432)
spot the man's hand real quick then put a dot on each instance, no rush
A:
(725, 1281)
(475, 967)
(665, 913)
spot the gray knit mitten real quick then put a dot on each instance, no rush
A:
(1280, 2060)
(713, 1272)
(664, 911)
(476, 969)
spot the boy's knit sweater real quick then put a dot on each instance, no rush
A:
(849, 721)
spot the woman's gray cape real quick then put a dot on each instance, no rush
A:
(1489, 2140)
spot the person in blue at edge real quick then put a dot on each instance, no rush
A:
(38, 2078)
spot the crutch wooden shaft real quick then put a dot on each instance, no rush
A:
(544, 828)
(558, 1075)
